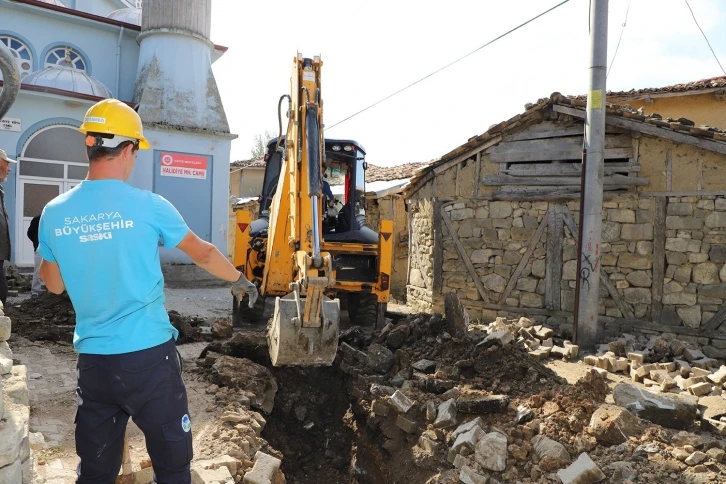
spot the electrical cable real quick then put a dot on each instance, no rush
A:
(704, 36)
(448, 65)
(622, 31)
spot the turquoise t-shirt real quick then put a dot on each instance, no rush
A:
(105, 236)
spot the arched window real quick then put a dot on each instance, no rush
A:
(65, 57)
(21, 52)
(55, 152)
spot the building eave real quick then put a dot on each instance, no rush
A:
(77, 13)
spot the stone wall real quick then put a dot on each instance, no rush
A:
(15, 462)
(419, 291)
(496, 236)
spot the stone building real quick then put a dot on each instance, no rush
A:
(495, 220)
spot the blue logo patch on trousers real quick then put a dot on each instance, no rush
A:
(186, 423)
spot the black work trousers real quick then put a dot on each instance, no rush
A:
(3, 284)
(147, 386)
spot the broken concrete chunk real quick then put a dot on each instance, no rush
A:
(491, 452)
(425, 366)
(620, 365)
(428, 444)
(224, 461)
(461, 461)
(401, 402)
(408, 426)
(700, 372)
(692, 355)
(590, 360)
(700, 389)
(470, 476)
(430, 411)
(719, 377)
(465, 427)
(543, 446)
(637, 356)
(264, 469)
(525, 322)
(667, 410)
(695, 458)
(380, 408)
(684, 368)
(545, 333)
(446, 415)
(677, 347)
(5, 327)
(582, 471)
(612, 425)
(705, 363)
(548, 343)
(540, 354)
(469, 439)
(501, 338)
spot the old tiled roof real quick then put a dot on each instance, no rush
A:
(713, 83)
(538, 112)
(399, 172)
(253, 163)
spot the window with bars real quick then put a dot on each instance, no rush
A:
(21, 52)
(65, 57)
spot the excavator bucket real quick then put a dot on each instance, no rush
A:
(291, 343)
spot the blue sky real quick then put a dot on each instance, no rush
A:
(371, 49)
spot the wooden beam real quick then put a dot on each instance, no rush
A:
(659, 236)
(465, 156)
(477, 174)
(633, 323)
(569, 143)
(553, 274)
(704, 193)
(616, 179)
(555, 195)
(464, 256)
(624, 308)
(560, 155)
(565, 169)
(458, 185)
(525, 258)
(700, 175)
(649, 129)
(549, 129)
(669, 170)
(717, 319)
(438, 249)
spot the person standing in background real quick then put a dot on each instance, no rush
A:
(5, 246)
(36, 288)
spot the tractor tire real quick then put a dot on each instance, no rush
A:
(363, 309)
(242, 314)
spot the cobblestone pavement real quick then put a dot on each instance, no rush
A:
(52, 383)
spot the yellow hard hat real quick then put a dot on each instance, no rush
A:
(111, 116)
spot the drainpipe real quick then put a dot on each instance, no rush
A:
(118, 61)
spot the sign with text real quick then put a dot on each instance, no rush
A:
(183, 166)
(10, 124)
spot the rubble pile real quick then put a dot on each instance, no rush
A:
(18, 281)
(50, 317)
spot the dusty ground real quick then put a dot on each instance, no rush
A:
(52, 381)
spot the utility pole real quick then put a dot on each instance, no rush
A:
(588, 263)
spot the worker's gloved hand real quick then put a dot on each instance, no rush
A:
(243, 286)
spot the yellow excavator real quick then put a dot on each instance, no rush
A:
(309, 248)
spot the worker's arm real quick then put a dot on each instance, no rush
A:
(51, 276)
(208, 257)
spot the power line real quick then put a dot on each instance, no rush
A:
(622, 31)
(448, 65)
(704, 36)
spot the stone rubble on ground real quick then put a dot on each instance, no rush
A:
(15, 455)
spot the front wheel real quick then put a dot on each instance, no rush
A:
(363, 309)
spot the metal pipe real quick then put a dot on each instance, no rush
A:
(316, 231)
(588, 278)
(118, 62)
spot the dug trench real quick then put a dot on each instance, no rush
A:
(384, 412)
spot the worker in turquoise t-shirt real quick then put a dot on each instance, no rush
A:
(100, 242)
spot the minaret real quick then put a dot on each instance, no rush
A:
(175, 86)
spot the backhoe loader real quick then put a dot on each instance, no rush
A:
(309, 249)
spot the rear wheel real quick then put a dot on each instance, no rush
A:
(363, 309)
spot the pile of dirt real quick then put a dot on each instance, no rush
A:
(17, 280)
(51, 317)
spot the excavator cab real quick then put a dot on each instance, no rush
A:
(308, 247)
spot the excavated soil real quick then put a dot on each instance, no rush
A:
(50, 317)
